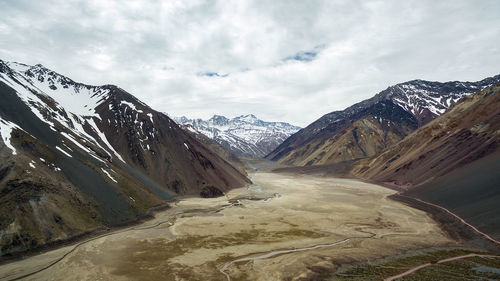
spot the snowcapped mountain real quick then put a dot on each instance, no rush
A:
(367, 127)
(453, 161)
(76, 157)
(245, 135)
(427, 100)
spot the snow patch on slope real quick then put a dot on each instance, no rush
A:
(6, 128)
(64, 152)
(109, 175)
(131, 105)
(104, 139)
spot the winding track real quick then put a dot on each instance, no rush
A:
(457, 217)
(416, 268)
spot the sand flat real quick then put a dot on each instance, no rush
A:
(197, 237)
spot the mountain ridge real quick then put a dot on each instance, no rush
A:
(77, 157)
(423, 100)
(452, 161)
(244, 135)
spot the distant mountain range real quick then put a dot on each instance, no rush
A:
(370, 126)
(76, 157)
(244, 136)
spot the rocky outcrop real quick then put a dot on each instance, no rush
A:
(211, 192)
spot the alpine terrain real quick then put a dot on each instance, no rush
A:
(372, 125)
(400, 183)
(244, 136)
(452, 161)
(76, 157)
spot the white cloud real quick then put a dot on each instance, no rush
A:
(287, 60)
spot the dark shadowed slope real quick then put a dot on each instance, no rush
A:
(472, 192)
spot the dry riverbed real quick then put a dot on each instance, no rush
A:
(281, 227)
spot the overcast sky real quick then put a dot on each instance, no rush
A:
(280, 60)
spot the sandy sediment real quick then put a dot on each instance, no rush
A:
(197, 237)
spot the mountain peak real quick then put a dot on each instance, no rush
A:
(248, 116)
(219, 119)
(181, 119)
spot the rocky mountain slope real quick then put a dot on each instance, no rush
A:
(244, 136)
(370, 126)
(452, 161)
(218, 149)
(76, 157)
(468, 131)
